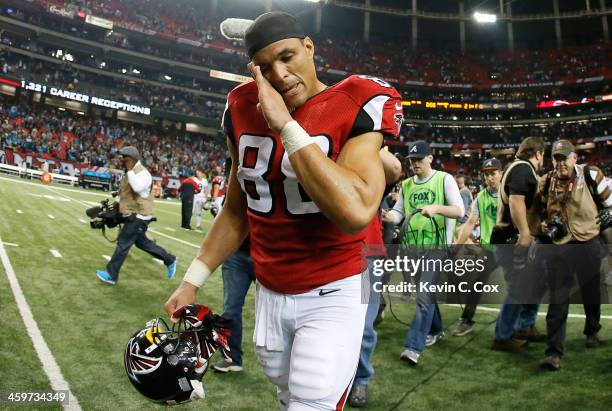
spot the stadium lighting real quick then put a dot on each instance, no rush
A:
(485, 17)
(167, 77)
(136, 71)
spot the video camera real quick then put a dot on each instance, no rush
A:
(104, 215)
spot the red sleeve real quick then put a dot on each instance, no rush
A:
(195, 185)
(380, 105)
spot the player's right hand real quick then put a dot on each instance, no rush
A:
(271, 104)
(184, 295)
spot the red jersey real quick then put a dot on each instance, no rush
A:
(294, 247)
(192, 182)
(374, 244)
(219, 181)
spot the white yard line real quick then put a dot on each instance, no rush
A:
(11, 244)
(174, 238)
(55, 253)
(106, 257)
(82, 220)
(158, 261)
(541, 314)
(19, 211)
(50, 366)
(71, 190)
(51, 216)
(169, 229)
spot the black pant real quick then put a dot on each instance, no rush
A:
(134, 232)
(583, 261)
(186, 212)
(472, 299)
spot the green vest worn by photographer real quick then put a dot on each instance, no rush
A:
(487, 214)
(422, 230)
(131, 202)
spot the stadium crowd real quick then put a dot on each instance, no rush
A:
(64, 75)
(391, 60)
(65, 136)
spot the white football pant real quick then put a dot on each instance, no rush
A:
(308, 344)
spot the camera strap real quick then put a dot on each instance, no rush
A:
(592, 186)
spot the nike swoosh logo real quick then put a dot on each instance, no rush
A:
(398, 106)
(323, 292)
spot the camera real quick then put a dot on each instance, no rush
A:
(555, 229)
(104, 215)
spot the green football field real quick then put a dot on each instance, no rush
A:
(86, 323)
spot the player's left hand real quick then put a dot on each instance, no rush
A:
(271, 104)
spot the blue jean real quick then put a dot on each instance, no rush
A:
(238, 274)
(365, 371)
(427, 318)
(512, 316)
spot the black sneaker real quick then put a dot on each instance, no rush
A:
(358, 397)
(551, 363)
(225, 366)
(464, 327)
(592, 341)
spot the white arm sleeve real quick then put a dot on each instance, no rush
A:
(451, 193)
(397, 212)
(141, 182)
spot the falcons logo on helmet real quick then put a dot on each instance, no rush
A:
(138, 364)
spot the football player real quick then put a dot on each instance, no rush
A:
(217, 192)
(306, 181)
(200, 197)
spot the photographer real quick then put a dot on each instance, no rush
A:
(517, 222)
(136, 206)
(571, 223)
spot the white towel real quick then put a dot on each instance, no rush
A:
(268, 331)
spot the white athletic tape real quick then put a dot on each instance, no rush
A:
(294, 137)
(197, 273)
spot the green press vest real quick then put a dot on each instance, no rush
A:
(422, 231)
(487, 210)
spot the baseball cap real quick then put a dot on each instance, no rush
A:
(419, 149)
(491, 164)
(564, 147)
(130, 151)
